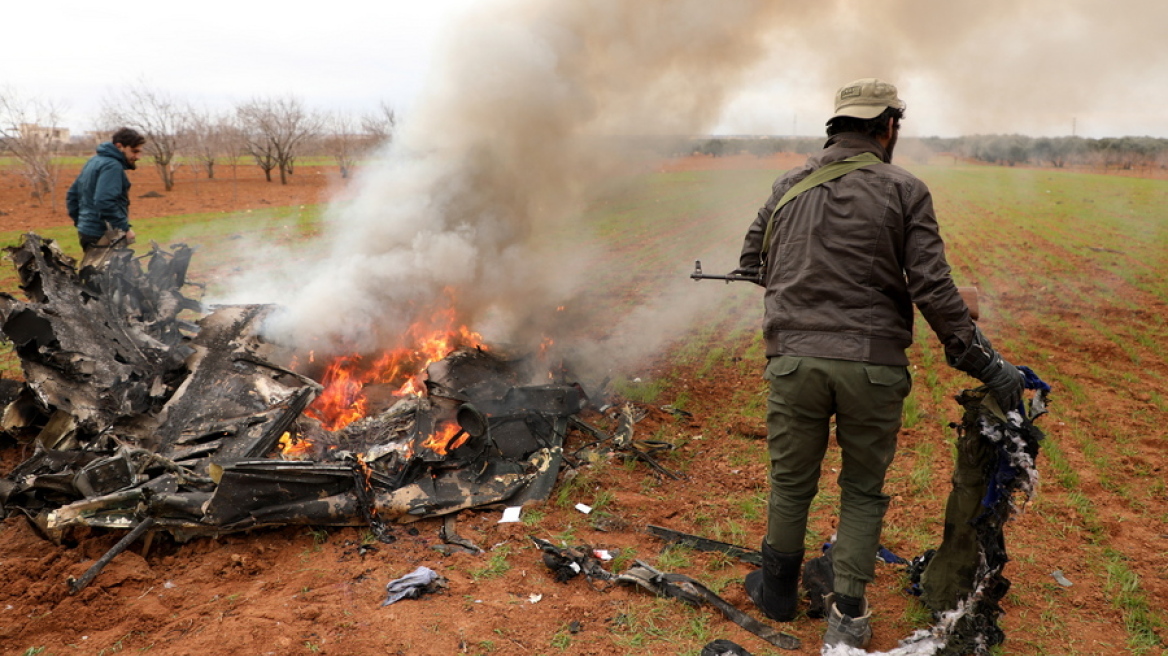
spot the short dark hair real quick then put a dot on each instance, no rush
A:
(873, 127)
(128, 137)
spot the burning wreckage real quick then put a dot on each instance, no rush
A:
(138, 418)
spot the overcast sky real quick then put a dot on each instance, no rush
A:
(1042, 67)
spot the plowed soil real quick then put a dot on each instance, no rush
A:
(301, 590)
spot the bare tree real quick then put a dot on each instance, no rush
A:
(380, 125)
(28, 130)
(161, 118)
(254, 141)
(342, 142)
(274, 130)
(210, 137)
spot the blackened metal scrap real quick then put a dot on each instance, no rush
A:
(99, 357)
(449, 534)
(445, 491)
(472, 373)
(228, 386)
(77, 585)
(643, 456)
(363, 491)
(723, 648)
(752, 556)
(142, 414)
(686, 589)
(273, 492)
(568, 562)
(623, 442)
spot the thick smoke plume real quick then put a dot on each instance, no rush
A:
(476, 205)
(475, 208)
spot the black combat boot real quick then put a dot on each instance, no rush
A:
(775, 587)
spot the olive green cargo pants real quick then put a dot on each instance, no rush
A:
(866, 401)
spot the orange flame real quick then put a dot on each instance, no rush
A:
(442, 440)
(290, 446)
(343, 400)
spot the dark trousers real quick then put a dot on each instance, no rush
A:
(866, 401)
(88, 241)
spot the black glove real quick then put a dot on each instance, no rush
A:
(981, 361)
(754, 273)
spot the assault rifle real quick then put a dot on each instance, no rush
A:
(968, 294)
(729, 277)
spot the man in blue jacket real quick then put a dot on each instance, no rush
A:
(99, 198)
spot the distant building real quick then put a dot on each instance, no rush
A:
(52, 135)
(92, 138)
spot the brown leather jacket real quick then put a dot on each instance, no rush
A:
(849, 258)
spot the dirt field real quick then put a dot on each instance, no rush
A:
(240, 189)
(304, 591)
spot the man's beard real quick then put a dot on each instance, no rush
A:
(892, 143)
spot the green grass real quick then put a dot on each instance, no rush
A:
(1070, 267)
(1123, 588)
(638, 390)
(497, 564)
(675, 558)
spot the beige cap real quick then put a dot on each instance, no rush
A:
(866, 98)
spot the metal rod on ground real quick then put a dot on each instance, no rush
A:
(77, 585)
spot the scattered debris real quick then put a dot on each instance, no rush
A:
(510, 514)
(1061, 579)
(679, 586)
(413, 585)
(77, 585)
(752, 556)
(724, 648)
(885, 555)
(818, 581)
(450, 536)
(566, 563)
(622, 441)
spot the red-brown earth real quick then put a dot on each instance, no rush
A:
(301, 591)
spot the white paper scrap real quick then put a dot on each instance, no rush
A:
(583, 508)
(510, 514)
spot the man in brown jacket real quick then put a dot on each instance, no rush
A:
(845, 246)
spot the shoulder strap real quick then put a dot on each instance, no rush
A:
(823, 174)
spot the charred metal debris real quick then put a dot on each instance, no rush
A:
(567, 563)
(139, 406)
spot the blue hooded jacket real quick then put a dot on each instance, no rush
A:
(100, 196)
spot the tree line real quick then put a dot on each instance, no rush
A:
(1124, 153)
(271, 132)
